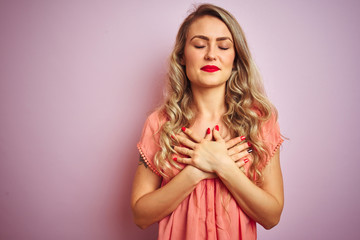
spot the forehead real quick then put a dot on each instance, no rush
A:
(210, 27)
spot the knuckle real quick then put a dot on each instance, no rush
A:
(240, 155)
(238, 148)
(244, 145)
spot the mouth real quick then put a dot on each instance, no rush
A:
(210, 68)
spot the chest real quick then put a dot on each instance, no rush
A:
(200, 127)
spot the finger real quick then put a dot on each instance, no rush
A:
(232, 142)
(242, 162)
(186, 142)
(190, 133)
(182, 160)
(238, 156)
(238, 148)
(208, 135)
(216, 133)
(184, 151)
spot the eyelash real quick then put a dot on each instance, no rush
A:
(222, 48)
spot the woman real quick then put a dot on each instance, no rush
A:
(209, 165)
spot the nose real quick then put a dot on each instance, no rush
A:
(210, 54)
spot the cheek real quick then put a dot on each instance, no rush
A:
(230, 63)
(191, 64)
(190, 60)
(191, 57)
(190, 72)
(231, 59)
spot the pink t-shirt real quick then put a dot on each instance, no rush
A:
(210, 211)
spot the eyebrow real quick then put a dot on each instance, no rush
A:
(207, 39)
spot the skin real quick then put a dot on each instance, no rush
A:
(216, 154)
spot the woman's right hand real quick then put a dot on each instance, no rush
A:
(198, 173)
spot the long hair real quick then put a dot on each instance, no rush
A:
(246, 101)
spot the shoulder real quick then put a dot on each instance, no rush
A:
(266, 119)
(271, 122)
(269, 130)
(157, 115)
(156, 119)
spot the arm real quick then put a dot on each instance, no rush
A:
(150, 203)
(264, 204)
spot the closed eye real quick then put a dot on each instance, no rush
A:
(199, 46)
(224, 48)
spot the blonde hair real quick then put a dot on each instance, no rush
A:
(246, 101)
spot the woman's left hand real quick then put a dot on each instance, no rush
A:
(239, 150)
(204, 154)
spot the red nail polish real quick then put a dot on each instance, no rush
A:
(242, 138)
(217, 127)
(172, 136)
(246, 160)
(174, 158)
(208, 131)
(183, 129)
(249, 144)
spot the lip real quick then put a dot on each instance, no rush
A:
(210, 68)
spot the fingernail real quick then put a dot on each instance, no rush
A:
(246, 160)
(242, 138)
(174, 158)
(183, 129)
(249, 150)
(217, 127)
(208, 131)
(249, 144)
(172, 136)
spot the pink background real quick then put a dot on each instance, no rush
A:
(77, 79)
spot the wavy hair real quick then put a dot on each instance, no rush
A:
(247, 104)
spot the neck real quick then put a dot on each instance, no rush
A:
(209, 102)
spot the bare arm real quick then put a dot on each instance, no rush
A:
(264, 204)
(150, 203)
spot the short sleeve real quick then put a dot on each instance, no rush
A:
(149, 142)
(270, 134)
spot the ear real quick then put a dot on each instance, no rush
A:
(182, 61)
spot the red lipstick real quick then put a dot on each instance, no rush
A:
(210, 68)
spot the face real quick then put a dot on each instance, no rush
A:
(209, 53)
